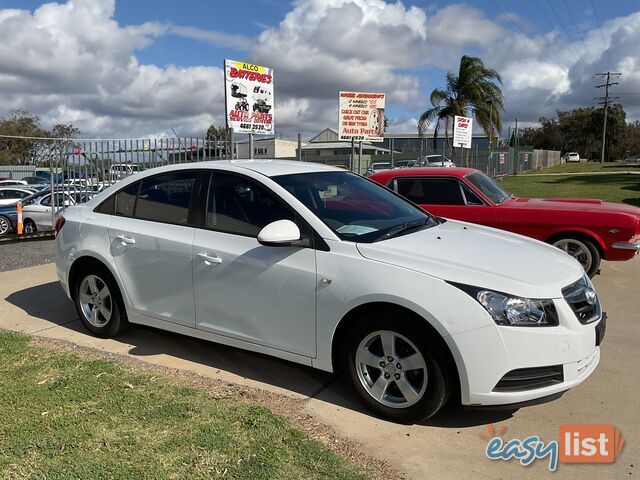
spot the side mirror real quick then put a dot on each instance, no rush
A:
(279, 234)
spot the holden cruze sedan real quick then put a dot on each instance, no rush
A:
(320, 266)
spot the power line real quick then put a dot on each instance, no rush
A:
(584, 37)
(563, 29)
(595, 15)
(606, 86)
(526, 35)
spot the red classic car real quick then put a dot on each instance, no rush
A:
(587, 229)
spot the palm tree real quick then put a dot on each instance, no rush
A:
(474, 90)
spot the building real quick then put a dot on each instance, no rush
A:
(267, 148)
(326, 148)
(412, 142)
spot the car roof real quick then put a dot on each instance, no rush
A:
(268, 168)
(426, 171)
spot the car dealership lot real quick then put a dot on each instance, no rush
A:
(448, 445)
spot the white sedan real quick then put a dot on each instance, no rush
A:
(11, 195)
(320, 266)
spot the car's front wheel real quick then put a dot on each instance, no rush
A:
(396, 367)
(99, 303)
(583, 250)
(30, 226)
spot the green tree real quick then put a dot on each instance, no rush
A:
(23, 141)
(473, 91)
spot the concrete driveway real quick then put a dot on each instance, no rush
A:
(446, 446)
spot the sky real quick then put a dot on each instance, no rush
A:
(135, 68)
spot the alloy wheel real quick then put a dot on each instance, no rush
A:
(391, 369)
(4, 226)
(95, 301)
(578, 250)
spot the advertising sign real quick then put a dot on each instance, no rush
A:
(501, 158)
(248, 97)
(361, 116)
(462, 128)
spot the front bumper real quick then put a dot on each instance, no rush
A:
(486, 355)
(626, 245)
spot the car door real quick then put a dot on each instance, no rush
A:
(265, 295)
(151, 235)
(446, 197)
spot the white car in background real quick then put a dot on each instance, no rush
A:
(37, 212)
(12, 183)
(11, 195)
(434, 161)
(571, 157)
(323, 267)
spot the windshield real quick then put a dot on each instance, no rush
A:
(489, 187)
(355, 208)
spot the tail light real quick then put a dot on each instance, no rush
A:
(59, 224)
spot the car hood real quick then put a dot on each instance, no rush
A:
(575, 204)
(480, 256)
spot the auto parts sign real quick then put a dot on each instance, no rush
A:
(249, 97)
(361, 116)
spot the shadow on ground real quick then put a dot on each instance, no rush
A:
(49, 303)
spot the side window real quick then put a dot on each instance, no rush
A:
(470, 197)
(165, 198)
(4, 194)
(126, 200)
(46, 201)
(241, 206)
(431, 191)
(22, 194)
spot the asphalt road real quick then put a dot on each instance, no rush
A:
(25, 254)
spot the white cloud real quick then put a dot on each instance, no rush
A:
(92, 76)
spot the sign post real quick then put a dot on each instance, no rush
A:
(248, 96)
(361, 116)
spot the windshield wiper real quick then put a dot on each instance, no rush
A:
(401, 228)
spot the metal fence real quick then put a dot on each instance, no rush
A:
(76, 170)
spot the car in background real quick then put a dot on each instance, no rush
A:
(36, 181)
(434, 161)
(325, 268)
(118, 171)
(37, 209)
(571, 157)
(589, 230)
(11, 195)
(12, 183)
(404, 163)
(377, 167)
(8, 219)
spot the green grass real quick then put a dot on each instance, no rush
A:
(62, 416)
(620, 187)
(608, 167)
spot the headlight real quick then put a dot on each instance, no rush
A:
(513, 311)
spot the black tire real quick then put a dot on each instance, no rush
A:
(593, 266)
(5, 225)
(30, 226)
(439, 379)
(118, 322)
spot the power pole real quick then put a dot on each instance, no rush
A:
(605, 103)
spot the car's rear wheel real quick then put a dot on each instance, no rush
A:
(394, 365)
(583, 250)
(5, 225)
(99, 303)
(30, 226)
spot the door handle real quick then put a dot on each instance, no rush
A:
(126, 240)
(209, 259)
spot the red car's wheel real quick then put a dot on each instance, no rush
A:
(583, 250)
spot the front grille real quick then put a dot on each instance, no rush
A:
(530, 378)
(583, 300)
